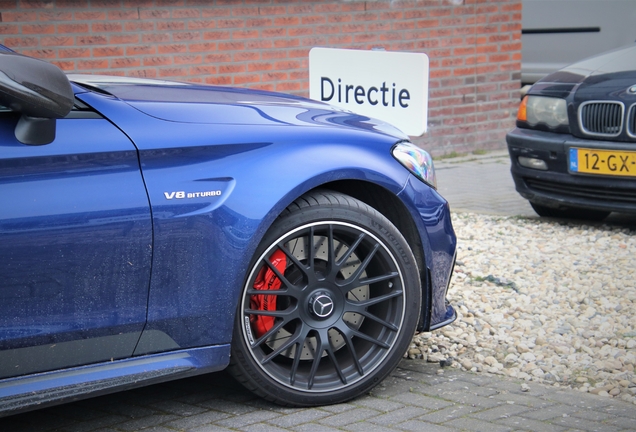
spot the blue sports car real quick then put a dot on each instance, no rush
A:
(153, 230)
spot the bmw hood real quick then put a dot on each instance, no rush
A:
(196, 103)
(607, 75)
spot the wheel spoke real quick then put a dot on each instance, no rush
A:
(364, 304)
(339, 249)
(352, 351)
(351, 250)
(311, 252)
(278, 292)
(293, 339)
(362, 268)
(368, 338)
(291, 256)
(376, 279)
(267, 336)
(351, 285)
(385, 323)
(334, 360)
(278, 274)
(316, 362)
(276, 314)
(331, 253)
(306, 268)
(297, 354)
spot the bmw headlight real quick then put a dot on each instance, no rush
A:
(417, 161)
(550, 111)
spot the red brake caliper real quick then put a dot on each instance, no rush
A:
(267, 280)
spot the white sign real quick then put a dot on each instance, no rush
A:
(389, 86)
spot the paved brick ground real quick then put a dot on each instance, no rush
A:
(414, 398)
(481, 184)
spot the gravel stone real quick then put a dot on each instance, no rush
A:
(544, 301)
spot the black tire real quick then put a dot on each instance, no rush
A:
(349, 291)
(569, 212)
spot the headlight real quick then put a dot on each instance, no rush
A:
(416, 160)
(550, 111)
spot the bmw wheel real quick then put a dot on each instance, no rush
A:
(330, 304)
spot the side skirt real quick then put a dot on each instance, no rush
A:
(52, 388)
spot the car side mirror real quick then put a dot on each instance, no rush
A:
(39, 91)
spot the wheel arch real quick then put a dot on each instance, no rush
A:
(252, 357)
(379, 194)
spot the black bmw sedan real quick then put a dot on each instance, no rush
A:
(573, 151)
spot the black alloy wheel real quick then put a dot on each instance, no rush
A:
(330, 304)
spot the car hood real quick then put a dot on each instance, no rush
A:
(607, 75)
(196, 103)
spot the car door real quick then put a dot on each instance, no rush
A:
(75, 246)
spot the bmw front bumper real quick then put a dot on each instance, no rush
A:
(556, 186)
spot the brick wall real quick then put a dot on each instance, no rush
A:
(474, 48)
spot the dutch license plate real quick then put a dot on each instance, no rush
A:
(604, 162)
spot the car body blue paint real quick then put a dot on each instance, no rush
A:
(132, 233)
(75, 249)
(254, 171)
(438, 240)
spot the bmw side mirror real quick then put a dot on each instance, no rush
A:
(39, 91)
